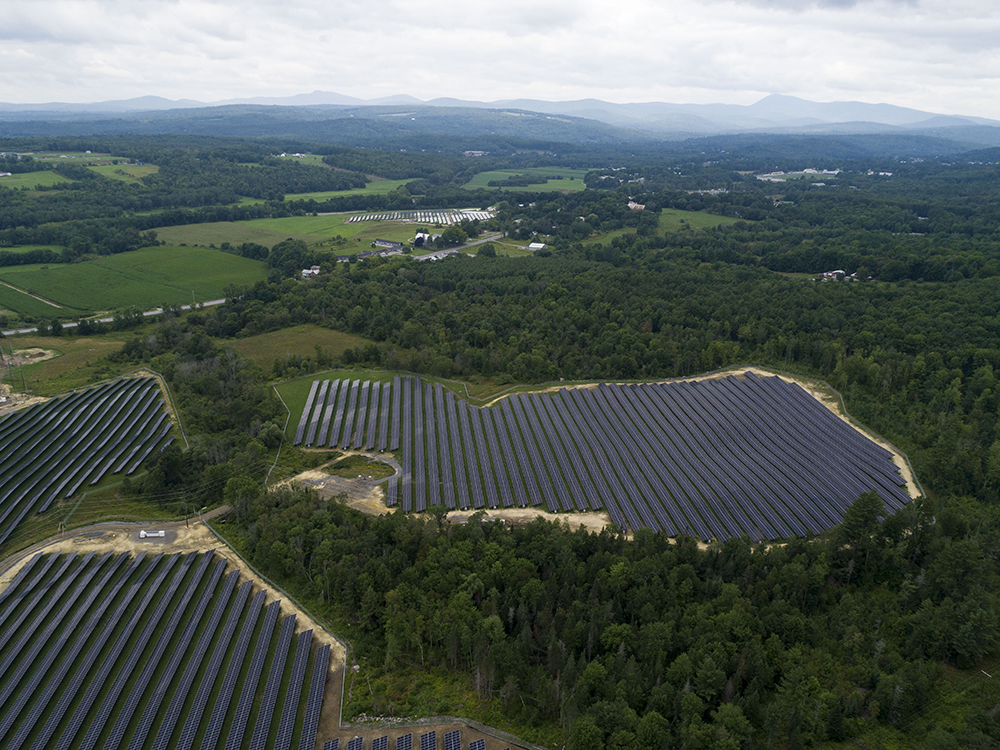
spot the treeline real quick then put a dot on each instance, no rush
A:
(225, 406)
(649, 643)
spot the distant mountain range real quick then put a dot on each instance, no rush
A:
(332, 117)
(772, 113)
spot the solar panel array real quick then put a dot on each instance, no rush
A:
(733, 456)
(404, 742)
(479, 744)
(453, 740)
(428, 741)
(425, 216)
(95, 648)
(48, 451)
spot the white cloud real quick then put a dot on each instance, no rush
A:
(928, 54)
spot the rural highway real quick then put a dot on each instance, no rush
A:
(146, 314)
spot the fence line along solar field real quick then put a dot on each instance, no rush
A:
(718, 458)
(54, 449)
(152, 652)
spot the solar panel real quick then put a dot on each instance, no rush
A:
(356, 744)
(317, 412)
(300, 431)
(333, 744)
(381, 743)
(404, 742)
(453, 740)
(428, 741)
(479, 744)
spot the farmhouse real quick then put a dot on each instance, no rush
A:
(308, 273)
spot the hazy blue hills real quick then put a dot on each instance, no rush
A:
(407, 122)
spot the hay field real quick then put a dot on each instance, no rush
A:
(571, 179)
(145, 278)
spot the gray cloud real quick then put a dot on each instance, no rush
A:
(934, 54)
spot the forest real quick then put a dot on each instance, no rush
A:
(873, 634)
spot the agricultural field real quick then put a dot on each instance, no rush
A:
(714, 459)
(297, 341)
(78, 157)
(233, 232)
(32, 180)
(375, 187)
(154, 651)
(21, 303)
(144, 278)
(566, 179)
(675, 220)
(125, 172)
(359, 230)
(50, 451)
(670, 220)
(30, 248)
(313, 160)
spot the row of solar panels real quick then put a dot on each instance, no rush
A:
(49, 450)
(428, 741)
(77, 634)
(714, 459)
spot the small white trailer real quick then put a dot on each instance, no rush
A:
(148, 534)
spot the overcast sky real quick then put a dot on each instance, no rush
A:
(935, 55)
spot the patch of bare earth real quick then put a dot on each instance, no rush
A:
(369, 497)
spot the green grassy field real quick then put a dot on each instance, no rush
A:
(376, 187)
(77, 157)
(145, 278)
(32, 180)
(18, 302)
(315, 160)
(310, 229)
(79, 361)
(234, 232)
(572, 179)
(126, 172)
(29, 248)
(674, 220)
(297, 340)
(352, 466)
(671, 220)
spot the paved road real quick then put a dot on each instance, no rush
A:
(146, 314)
